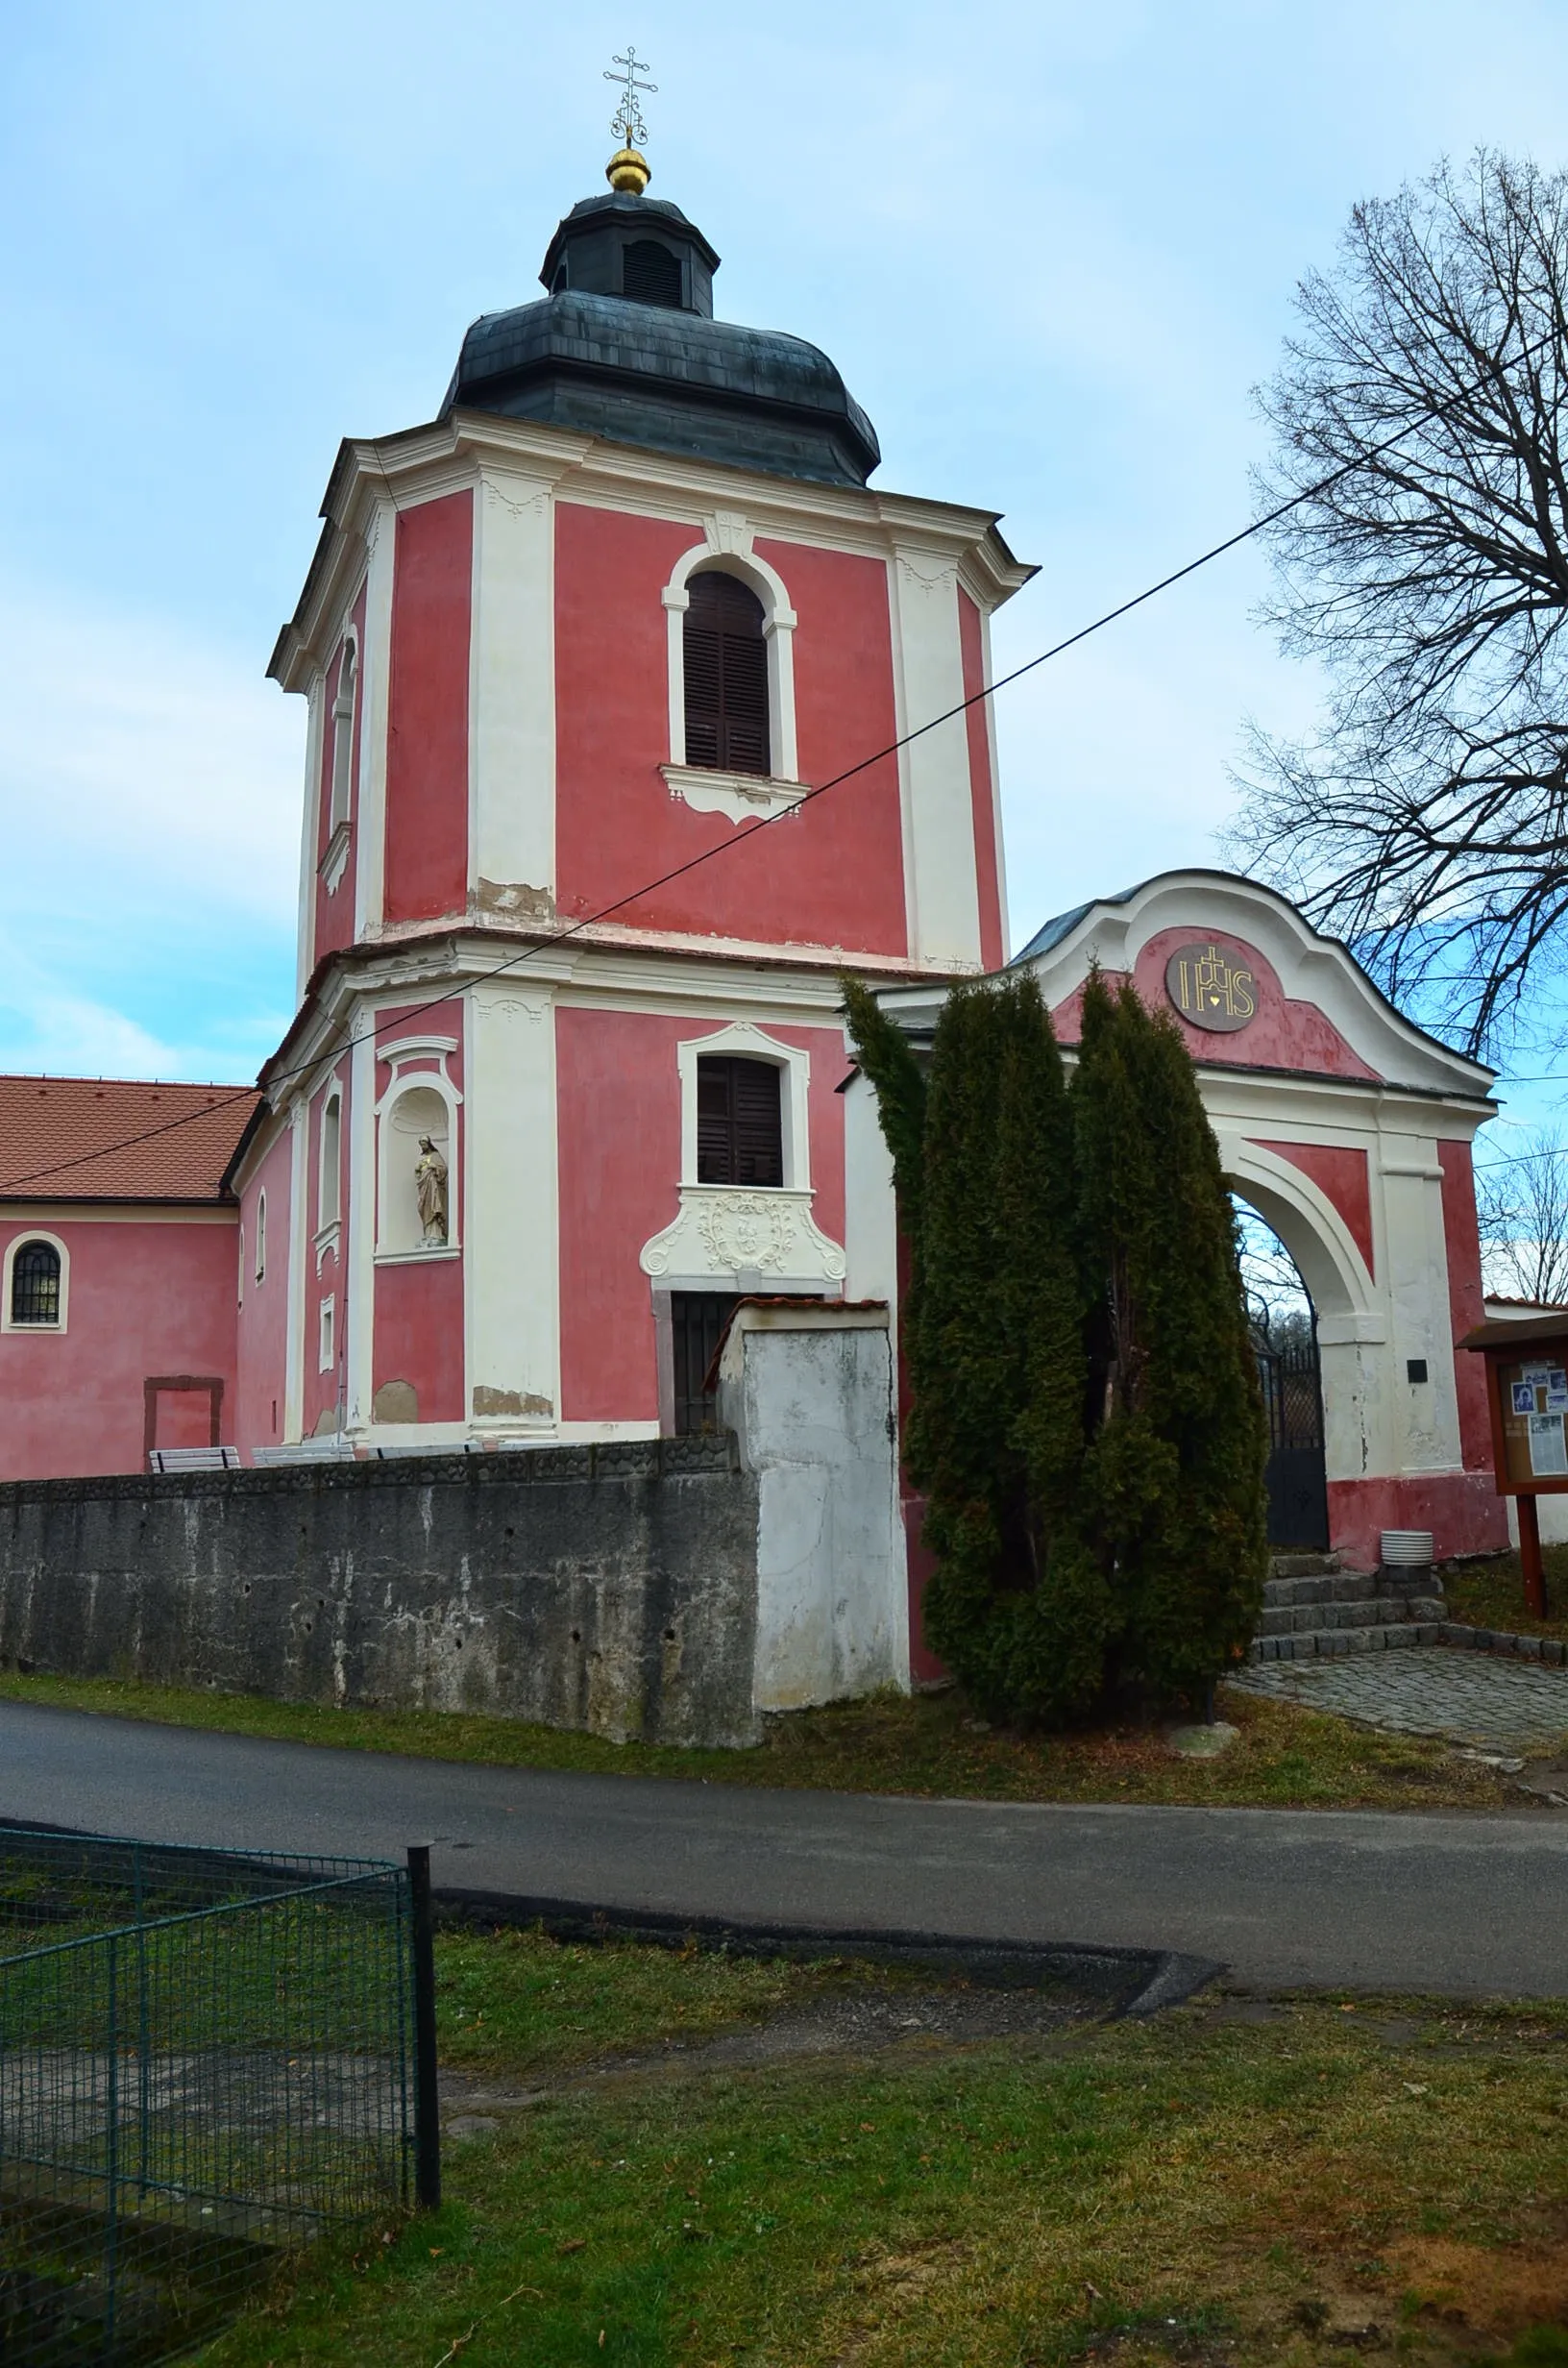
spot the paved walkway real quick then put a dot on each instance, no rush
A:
(1497, 1704)
(1322, 1898)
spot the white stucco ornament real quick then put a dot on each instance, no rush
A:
(722, 1233)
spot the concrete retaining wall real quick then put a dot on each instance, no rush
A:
(609, 1588)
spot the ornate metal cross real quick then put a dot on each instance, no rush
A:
(628, 118)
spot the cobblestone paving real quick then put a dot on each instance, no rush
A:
(1428, 1690)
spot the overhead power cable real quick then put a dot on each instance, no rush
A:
(588, 920)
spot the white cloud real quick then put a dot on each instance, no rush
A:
(144, 765)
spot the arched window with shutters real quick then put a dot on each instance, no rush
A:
(731, 653)
(726, 677)
(37, 1274)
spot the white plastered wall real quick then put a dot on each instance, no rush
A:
(809, 1393)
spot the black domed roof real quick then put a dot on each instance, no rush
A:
(625, 347)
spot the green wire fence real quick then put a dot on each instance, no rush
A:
(206, 2058)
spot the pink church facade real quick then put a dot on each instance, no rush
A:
(568, 1075)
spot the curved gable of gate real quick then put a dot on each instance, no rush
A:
(1252, 985)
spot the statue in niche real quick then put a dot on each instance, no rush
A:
(431, 1185)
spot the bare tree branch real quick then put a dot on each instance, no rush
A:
(1522, 1205)
(1427, 821)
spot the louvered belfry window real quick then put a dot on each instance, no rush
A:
(651, 273)
(35, 1284)
(726, 677)
(740, 1132)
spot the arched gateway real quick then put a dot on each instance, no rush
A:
(1349, 1130)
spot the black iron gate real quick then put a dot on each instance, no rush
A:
(1298, 1492)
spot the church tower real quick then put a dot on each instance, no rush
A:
(579, 654)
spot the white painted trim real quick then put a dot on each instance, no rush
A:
(259, 1248)
(511, 823)
(36, 1331)
(360, 1285)
(46, 1213)
(1314, 1233)
(327, 1334)
(745, 1042)
(375, 678)
(295, 1278)
(309, 825)
(942, 877)
(740, 796)
(726, 550)
(406, 1080)
(742, 1237)
(987, 709)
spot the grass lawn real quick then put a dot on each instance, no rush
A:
(1229, 2184)
(928, 1744)
(1490, 1594)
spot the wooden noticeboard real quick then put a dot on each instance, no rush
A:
(1526, 1393)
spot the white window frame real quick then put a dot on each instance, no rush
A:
(744, 1042)
(727, 549)
(259, 1275)
(20, 1241)
(331, 1107)
(327, 1335)
(342, 754)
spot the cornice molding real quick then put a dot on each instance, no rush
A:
(420, 464)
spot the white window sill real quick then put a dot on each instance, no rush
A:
(34, 1331)
(742, 797)
(327, 1244)
(418, 1257)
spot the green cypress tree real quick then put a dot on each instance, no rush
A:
(992, 1331)
(1175, 1471)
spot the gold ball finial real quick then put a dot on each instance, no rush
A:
(628, 172)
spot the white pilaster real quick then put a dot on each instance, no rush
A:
(512, 1261)
(941, 891)
(375, 671)
(299, 1252)
(360, 1283)
(305, 949)
(512, 696)
(1425, 1415)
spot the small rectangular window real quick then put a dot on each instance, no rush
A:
(329, 1352)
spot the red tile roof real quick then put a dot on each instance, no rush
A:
(117, 1139)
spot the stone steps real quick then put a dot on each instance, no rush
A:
(1314, 1610)
(1368, 1612)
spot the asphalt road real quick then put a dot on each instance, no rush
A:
(1462, 1905)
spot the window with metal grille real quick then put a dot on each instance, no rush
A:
(650, 275)
(739, 1127)
(726, 677)
(35, 1284)
(696, 1323)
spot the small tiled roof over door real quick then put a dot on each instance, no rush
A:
(117, 1139)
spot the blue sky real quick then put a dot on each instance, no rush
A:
(1051, 248)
